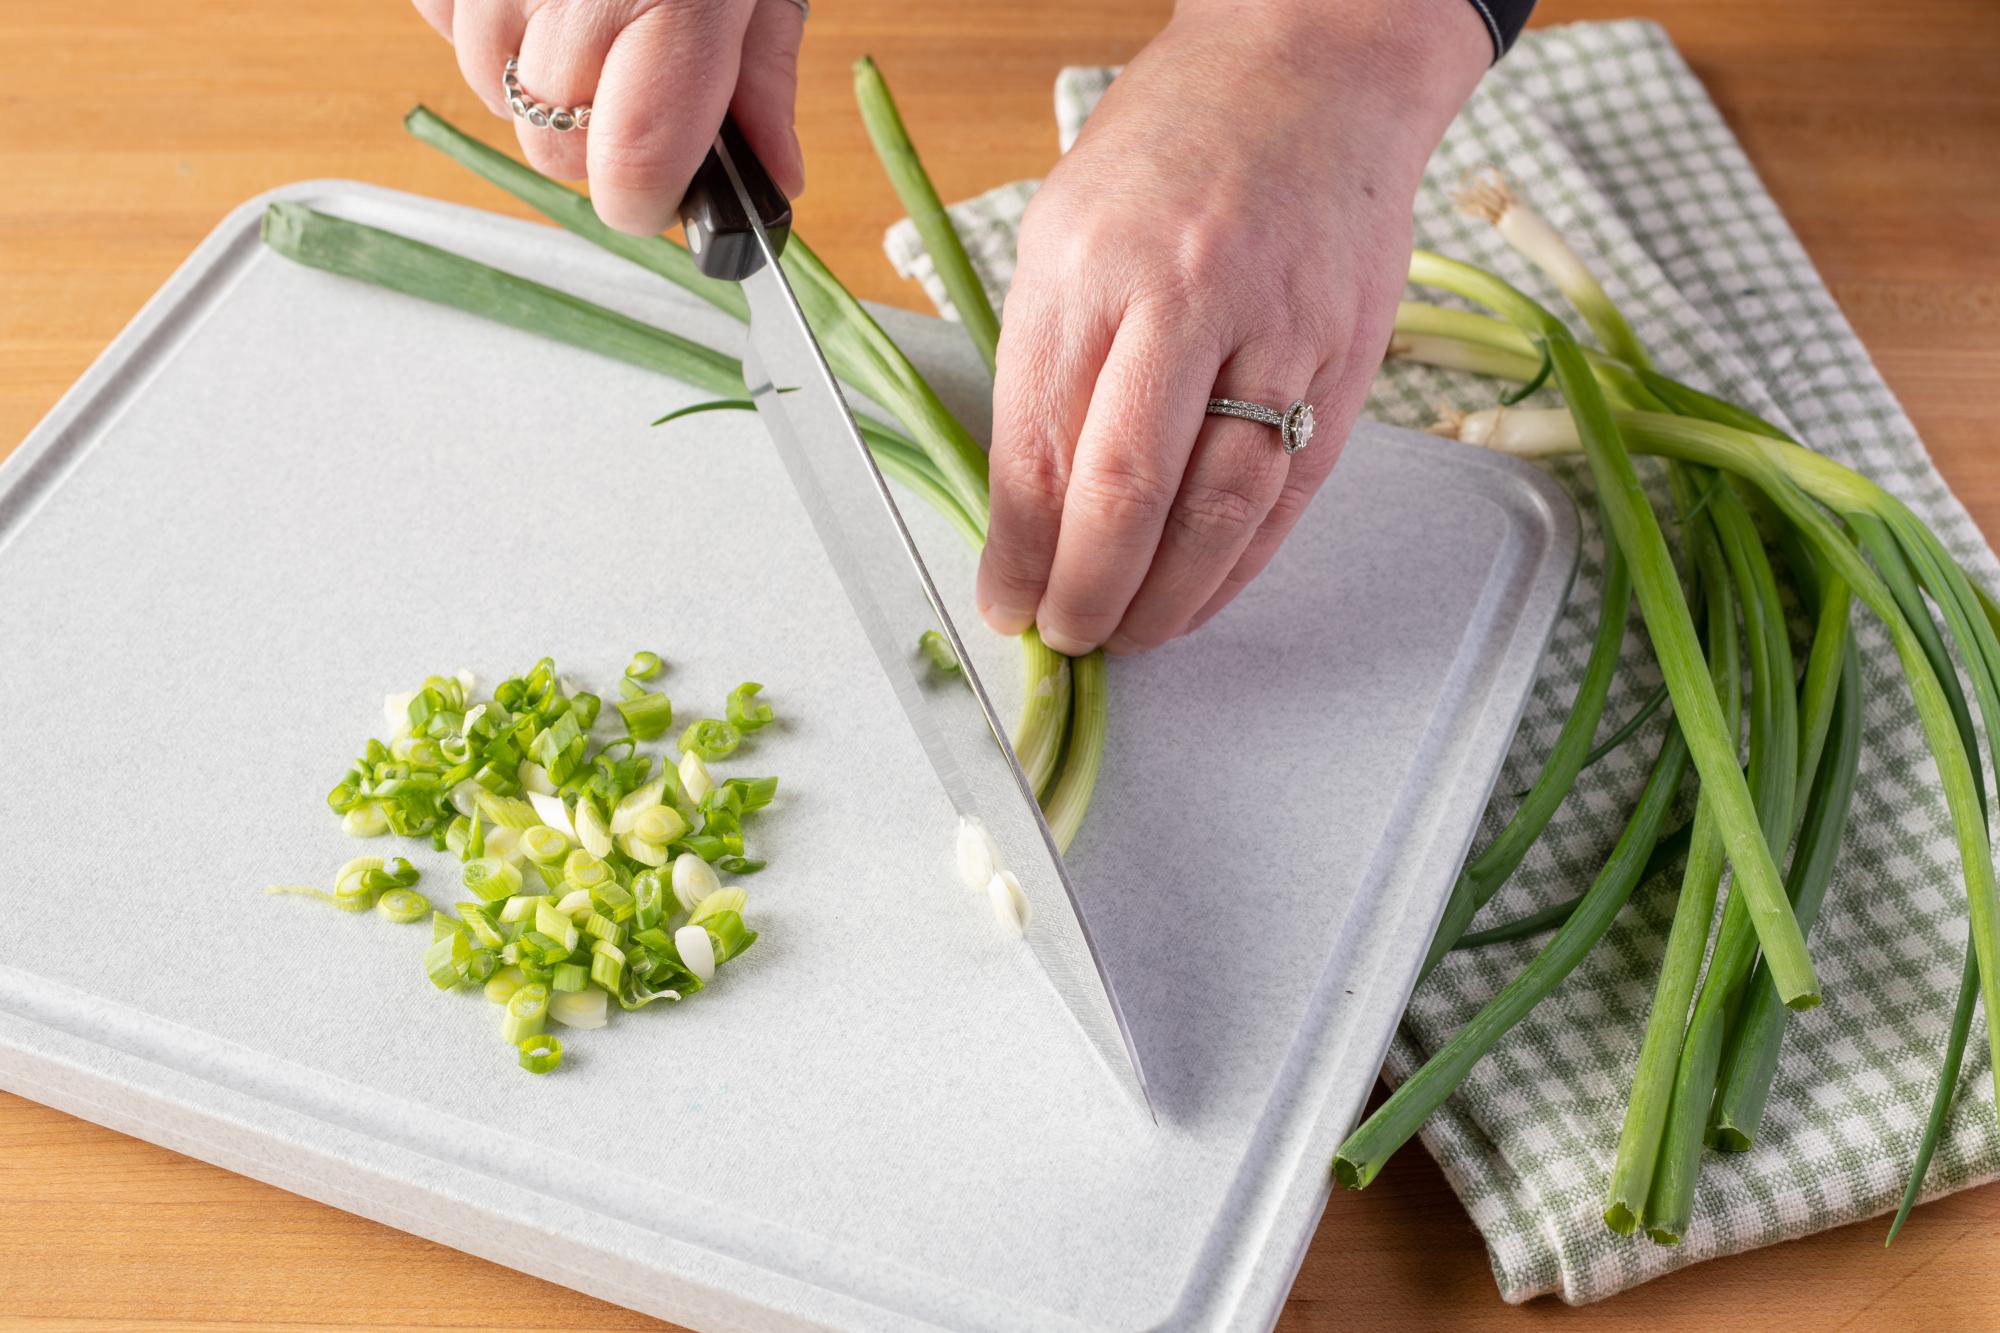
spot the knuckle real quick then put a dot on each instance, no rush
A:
(1120, 497)
(1217, 516)
(1031, 477)
(1085, 613)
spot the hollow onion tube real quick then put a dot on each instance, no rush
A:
(1744, 1083)
(1666, 851)
(1696, 708)
(1773, 777)
(1701, 879)
(920, 200)
(1371, 1145)
(1484, 874)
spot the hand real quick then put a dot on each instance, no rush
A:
(658, 76)
(1233, 222)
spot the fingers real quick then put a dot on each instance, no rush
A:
(485, 33)
(1049, 357)
(767, 88)
(1145, 411)
(1236, 474)
(562, 59)
(666, 82)
(437, 13)
(1337, 394)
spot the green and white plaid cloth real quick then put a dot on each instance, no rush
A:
(1608, 133)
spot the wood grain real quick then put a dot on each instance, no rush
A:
(127, 129)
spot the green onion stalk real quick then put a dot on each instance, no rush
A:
(1710, 1047)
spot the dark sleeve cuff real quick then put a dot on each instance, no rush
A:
(1504, 20)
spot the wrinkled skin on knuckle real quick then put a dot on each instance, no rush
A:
(1120, 497)
(1217, 517)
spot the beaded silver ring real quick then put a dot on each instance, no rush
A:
(561, 119)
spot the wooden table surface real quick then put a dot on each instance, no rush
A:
(128, 128)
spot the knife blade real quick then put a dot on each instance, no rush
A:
(736, 222)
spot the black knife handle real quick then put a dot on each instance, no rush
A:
(718, 233)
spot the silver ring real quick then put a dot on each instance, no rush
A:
(1294, 425)
(561, 119)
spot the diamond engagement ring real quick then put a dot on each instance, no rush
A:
(1294, 425)
(561, 119)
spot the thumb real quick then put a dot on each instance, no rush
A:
(767, 85)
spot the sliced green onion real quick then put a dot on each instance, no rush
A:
(744, 712)
(508, 811)
(521, 907)
(570, 977)
(527, 1011)
(694, 776)
(729, 937)
(592, 829)
(500, 987)
(491, 878)
(647, 716)
(587, 1008)
(936, 651)
(722, 900)
(693, 880)
(661, 824)
(710, 739)
(543, 844)
(403, 905)
(583, 870)
(558, 927)
(365, 821)
(696, 951)
(448, 962)
(643, 666)
(540, 1053)
(607, 965)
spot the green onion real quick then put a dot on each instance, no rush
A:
(1647, 1104)
(540, 1053)
(542, 844)
(744, 713)
(492, 879)
(710, 739)
(448, 960)
(1370, 1146)
(643, 666)
(527, 1011)
(936, 651)
(403, 905)
(647, 716)
(920, 200)
(1483, 876)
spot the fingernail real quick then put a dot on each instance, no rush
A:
(1006, 619)
(1064, 644)
(1120, 646)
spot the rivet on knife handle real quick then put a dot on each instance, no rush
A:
(718, 231)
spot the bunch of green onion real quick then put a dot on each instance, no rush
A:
(624, 902)
(1754, 511)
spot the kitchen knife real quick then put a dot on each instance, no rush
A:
(736, 221)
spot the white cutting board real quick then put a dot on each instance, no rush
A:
(280, 495)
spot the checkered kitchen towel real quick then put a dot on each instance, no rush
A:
(1608, 133)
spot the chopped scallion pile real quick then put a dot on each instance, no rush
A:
(591, 869)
